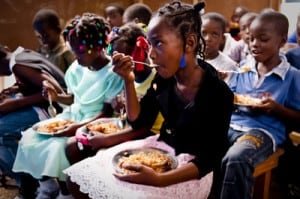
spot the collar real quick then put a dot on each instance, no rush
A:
(279, 70)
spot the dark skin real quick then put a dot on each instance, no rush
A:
(94, 59)
(166, 51)
(32, 77)
(263, 37)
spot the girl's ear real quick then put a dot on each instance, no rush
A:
(191, 42)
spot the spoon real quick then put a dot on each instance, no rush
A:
(147, 64)
(240, 70)
(51, 109)
(122, 119)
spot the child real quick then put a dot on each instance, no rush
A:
(256, 133)
(213, 29)
(129, 39)
(91, 85)
(22, 105)
(113, 13)
(234, 27)
(48, 31)
(137, 13)
(182, 92)
(241, 51)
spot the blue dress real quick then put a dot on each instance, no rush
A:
(42, 155)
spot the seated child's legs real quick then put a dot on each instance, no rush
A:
(238, 165)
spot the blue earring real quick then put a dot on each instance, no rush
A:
(182, 61)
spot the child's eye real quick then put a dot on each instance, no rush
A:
(156, 43)
(215, 35)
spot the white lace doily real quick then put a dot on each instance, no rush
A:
(94, 175)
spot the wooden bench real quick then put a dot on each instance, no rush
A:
(262, 175)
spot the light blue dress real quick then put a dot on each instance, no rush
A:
(42, 155)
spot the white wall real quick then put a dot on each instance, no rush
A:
(7, 81)
(291, 10)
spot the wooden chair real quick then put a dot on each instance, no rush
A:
(262, 175)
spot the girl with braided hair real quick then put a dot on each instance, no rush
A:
(91, 86)
(190, 96)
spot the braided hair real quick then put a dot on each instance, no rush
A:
(90, 29)
(186, 19)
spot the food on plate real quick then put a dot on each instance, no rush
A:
(55, 126)
(246, 100)
(156, 159)
(244, 69)
(104, 127)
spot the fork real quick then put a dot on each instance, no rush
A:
(147, 64)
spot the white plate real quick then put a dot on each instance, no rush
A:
(127, 153)
(114, 120)
(45, 122)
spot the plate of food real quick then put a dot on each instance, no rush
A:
(159, 160)
(52, 126)
(103, 125)
(246, 100)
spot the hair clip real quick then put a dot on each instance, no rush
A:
(110, 50)
(115, 30)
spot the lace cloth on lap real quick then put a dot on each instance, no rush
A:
(94, 175)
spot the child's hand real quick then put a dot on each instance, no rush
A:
(11, 90)
(96, 140)
(222, 74)
(49, 91)
(267, 106)
(118, 103)
(69, 131)
(142, 175)
(123, 66)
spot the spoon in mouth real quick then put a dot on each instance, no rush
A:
(146, 64)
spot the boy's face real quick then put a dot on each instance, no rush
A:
(113, 17)
(213, 36)
(265, 41)
(244, 29)
(48, 37)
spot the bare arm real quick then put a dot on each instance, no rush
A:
(99, 140)
(286, 114)
(123, 66)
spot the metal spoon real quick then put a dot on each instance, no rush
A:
(122, 119)
(51, 109)
(146, 64)
(239, 70)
